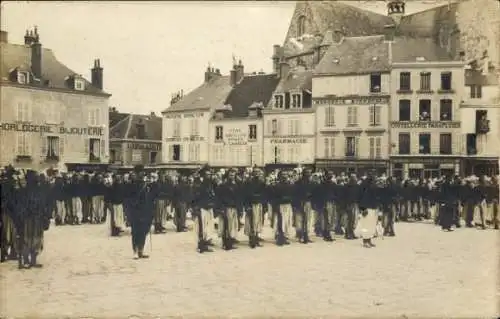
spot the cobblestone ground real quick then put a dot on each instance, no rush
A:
(422, 272)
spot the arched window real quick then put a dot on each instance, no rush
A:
(301, 26)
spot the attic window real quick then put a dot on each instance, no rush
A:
(79, 85)
(420, 59)
(22, 77)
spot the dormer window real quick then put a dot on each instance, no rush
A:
(22, 77)
(278, 101)
(79, 85)
(375, 82)
(296, 100)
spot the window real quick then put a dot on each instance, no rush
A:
(476, 91)
(23, 112)
(22, 77)
(446, 81)
(404, 143)
(404, 110)
(405, 81)
(296, 101)
(352, 116)
(176, 152)
(141, 131)
(301, 26)
(23, 142)
(112, 156)
(375, 147)
(196, 153)
(294, 127)
(278, 101)
(445, 143)
(397, 170)
(79, 85)
(351, 146)
(194, 129)
(274, 127)
(424, 143)
(445, 110)
(277, 154)
(424, 110)
(177, 129)
(52, 147)
(94, 117)
(218, 133)
(375, 83)
(252, 131)
(471, 144)
(329, 146)
(152, 157)
(425, 81)
(375, 111)
(94, 149)
(252, 154)
(329, 116)
(52, 114)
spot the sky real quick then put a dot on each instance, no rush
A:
(150, 50)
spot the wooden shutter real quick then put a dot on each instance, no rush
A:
(44, 146)
(103, 149)
(356, 146)
(62, 146)
(378, 111)
(86, 146)
(355, 115)
(378, 147)
(372, 115)
(327, 147)
(332, 147)
(372, 147)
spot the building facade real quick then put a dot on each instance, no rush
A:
(50, 117)
(136, 140)
(480, 117)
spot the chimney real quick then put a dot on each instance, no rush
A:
(338, 36)
(36, 55)
(389, 32)
(96, 74)
(237, 73)
(211, 73)
(4, 37)
(284, 69)
(277, 56)
(152, 114)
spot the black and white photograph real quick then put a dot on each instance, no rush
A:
(250, 159)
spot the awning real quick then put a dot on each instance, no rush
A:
(99, 167)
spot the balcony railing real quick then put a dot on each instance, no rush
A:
(52, 159)
(482, 126)
(23, 158)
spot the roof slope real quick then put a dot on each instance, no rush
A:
(406, 49)
(127, 127)
(355, 55)
(16, 55)
(210, 94)
(296, 80)
(253, 88)
(115, 117)
(428, 23)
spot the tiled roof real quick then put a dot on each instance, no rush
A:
(210, 94)
(332, 15)
(406, 49)
(475, 77)
(19, 56)
(427, 23)
(355, 55)
(296, 80)
(127, 127)
(115, 117)
(253, 88)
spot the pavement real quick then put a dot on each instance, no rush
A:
(423, 272)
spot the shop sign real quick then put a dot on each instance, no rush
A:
(235, 136)
(185, 115)
(33, 128)
(185, 139)
(289, 140)
(425, 124)
(353, 100)
(144, 146)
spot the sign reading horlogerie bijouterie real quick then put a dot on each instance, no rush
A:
(33, 128)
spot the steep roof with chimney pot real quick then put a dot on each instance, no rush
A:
(210, 94)
(252, 89)
(407, 49)
(56, 73)
(295, 80)
(127, 127)
(356, 55)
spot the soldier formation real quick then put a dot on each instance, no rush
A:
(297, 203)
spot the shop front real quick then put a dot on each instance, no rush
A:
(358, 167)
(425, 167)
(480, 166)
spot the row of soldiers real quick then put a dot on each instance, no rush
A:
(309, 202)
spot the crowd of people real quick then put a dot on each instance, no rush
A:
(297, 203)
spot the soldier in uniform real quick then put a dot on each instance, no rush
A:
(254, 190)
(368, 204)
(141, 212)
(229, 198)
(182, 192)
(283, 196)
(448, 199)
(387, 198)
(352, 197)
(9, 218)
(98, 189)
(75, 192)
(86, 194)
(159, 185)
(493, 194)
(326, 191)
(305, 217)
(116, 191)
(204, 203)
(59, 197)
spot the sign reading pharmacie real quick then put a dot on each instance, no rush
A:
(288, 140)
(34, 128)
(426, 124)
